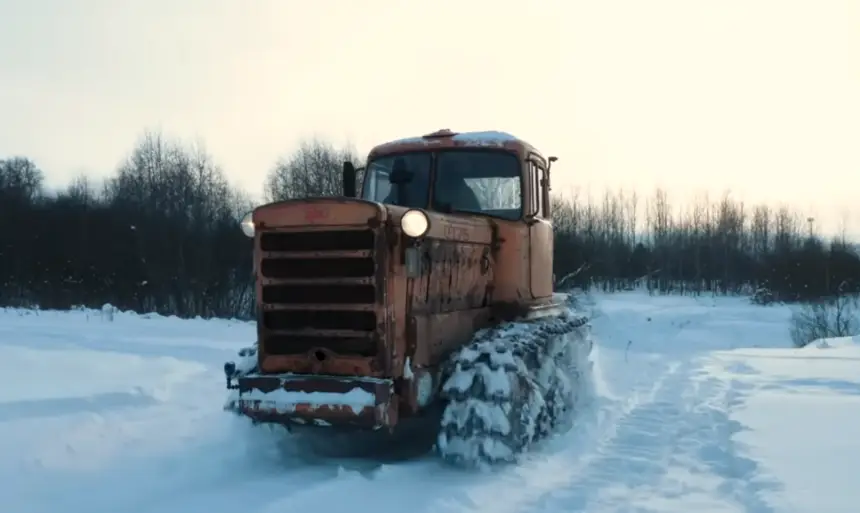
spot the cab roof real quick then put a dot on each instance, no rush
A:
(446, 139)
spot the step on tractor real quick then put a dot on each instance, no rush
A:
(424, 297)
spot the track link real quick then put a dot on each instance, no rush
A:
(512, 386)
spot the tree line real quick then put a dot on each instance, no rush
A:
(160, 235)
(719, 247)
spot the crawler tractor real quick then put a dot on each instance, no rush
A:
(427, 296)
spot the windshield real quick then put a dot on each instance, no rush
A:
(377, 186)
(485, 182)
(480, 181)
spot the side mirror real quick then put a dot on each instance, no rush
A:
(400, 176)
(348, 179)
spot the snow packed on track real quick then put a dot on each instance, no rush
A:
(701, 406)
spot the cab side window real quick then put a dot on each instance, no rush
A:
(537, 190)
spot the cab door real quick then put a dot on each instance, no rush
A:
(540, 233)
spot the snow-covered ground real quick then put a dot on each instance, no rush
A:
(702, 406)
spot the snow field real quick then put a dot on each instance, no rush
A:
(700, 405)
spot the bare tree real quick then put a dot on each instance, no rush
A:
(20, 179)
(834, 317)
(314, 169)
(160, 235)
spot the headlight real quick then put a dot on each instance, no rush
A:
(414, 223)
(247, 224)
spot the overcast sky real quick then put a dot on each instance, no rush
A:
(761, 97)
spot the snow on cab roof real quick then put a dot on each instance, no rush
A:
(482, 138)
(445, 138)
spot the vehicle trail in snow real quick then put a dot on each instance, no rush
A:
(131, 420)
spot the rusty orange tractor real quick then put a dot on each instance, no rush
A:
(426, 296)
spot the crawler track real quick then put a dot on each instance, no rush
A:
(514, 385)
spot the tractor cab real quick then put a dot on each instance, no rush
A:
(476, 173)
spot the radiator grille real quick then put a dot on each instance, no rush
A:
(319, 291)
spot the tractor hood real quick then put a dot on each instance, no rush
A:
(319, 212)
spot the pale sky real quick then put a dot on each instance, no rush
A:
(761, 97)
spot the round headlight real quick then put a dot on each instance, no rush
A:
(247, 224)
(414, 223)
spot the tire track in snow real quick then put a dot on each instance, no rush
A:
(742, 481)
(676, 445)
(557, 463)
(558, 477)
(635, 450)
(665, 442)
